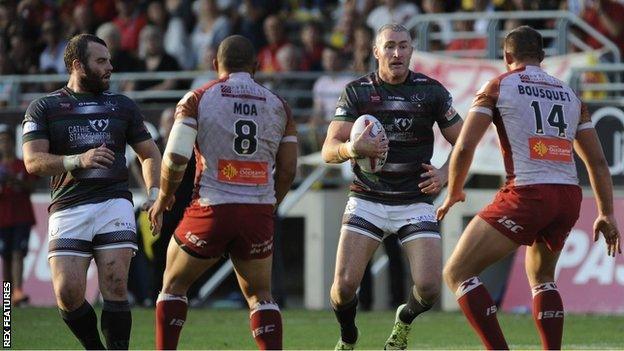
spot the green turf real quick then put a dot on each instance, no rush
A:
(42, 328)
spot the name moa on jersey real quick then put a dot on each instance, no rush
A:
(245, 109)
(95, 132)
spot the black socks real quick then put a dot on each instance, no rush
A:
(83, 323)
(116, 324)
(413, 308)
(346, 317)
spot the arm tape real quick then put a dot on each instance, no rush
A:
(181, 139)
(171, 165)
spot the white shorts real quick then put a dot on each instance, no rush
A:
(377, 221)
(77, 231)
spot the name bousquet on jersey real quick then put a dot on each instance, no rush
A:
(74, 123)
(407, 112)
(240, 125)
(537, 117)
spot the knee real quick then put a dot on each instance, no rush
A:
(343, 290)
(115, 287)
(428, 291)
(452, 277)
(69, 298)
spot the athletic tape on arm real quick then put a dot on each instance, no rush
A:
(181, 139)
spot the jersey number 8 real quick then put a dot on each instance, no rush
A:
(245, 142)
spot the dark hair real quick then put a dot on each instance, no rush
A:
(525, 43)
(236, 53)
(77, 48)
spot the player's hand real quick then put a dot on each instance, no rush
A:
(367, 146)
(99, 157)
(155, 213)
(435, 180)
(607, 225)
(449, 201)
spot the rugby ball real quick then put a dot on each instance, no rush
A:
(368, 164)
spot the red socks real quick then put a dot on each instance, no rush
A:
(548, 315)
(266, 325)
(480, 310)
(170, 317)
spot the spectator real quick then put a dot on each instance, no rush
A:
(130, 21)
(392, 11)
(52, 56)
(16, 214)
(176, 39)
(276, 39)
(472, 47)
(292, 88)
(312, 41)
(22, 51)
(251, 17)
(362, 50)
(211, 28)
(6, 88)
(607, 17)
(444, 27)
(121, 59)
(83, 20)
(156, 59)
(326, 91)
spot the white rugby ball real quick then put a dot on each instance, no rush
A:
(369, 164)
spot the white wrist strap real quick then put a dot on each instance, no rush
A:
(152, 194)
(71, 162)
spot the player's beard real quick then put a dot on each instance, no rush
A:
(92, 82)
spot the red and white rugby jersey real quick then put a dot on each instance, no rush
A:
(240, 125)
(537, 117)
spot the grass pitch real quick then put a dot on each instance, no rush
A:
(42, 328)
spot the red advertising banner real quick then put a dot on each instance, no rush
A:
(588, 279)
(37, 277)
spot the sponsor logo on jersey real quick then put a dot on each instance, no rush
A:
(403, 123)
(65, 105)
(550, 149)
(99, 125)
(398, 98)
(417, 97)
(243, 172)
(450, 113)
(29, 127)
(341, 111)
(110, 104)
(375, 98)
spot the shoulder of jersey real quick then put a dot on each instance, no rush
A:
(417, 78)
(363, 81)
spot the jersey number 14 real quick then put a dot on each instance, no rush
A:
(555, 118)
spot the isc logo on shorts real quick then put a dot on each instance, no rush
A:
(511, 225)
(193, 239)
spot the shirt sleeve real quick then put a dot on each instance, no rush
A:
(486, 98)
(35, 124)
(446, 116)
(136, 131)
(346, 107)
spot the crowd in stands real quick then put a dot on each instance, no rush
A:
(290, 35)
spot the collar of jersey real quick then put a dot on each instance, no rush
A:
(240, 75)
(73, 93)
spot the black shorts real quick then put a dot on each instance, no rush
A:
(14, 239)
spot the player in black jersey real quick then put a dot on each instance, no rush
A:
(78, 136)
(397, 199)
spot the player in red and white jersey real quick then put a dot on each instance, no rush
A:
(245, 144)
(540, 121)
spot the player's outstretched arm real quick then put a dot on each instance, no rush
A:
(461, 158)
(41, 162)
(175, 158)
(588, 148)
